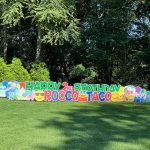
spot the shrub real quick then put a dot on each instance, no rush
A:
(9, 74)
(5, 71)
(19, 73)
(81, 74)
(2, 69)
(77, 70)
(39, 72)
(90, 75)
(13, 71)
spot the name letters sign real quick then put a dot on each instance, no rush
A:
(79, 92)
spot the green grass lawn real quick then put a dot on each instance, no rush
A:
(74, 126)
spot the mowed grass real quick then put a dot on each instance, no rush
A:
(74, 126)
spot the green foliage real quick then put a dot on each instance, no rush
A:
(12, 12)
(77, 70)
(115, 38)
(39, 72)
(90, 75)
(2, 69)
(13, 71)
(56, 20)
(18, 71)
(6, 73)
(84, 74)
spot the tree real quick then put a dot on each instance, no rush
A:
(105, 40)
(55, 21)
(11, 14)
(110, 38)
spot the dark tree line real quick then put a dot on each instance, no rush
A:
(110, 38)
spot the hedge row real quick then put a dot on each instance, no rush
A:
(16, 71)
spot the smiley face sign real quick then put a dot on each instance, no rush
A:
(39, 95)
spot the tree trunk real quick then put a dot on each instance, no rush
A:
(111, 64)
(5, 42)
(38, 49)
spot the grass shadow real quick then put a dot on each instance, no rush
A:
(101, 126)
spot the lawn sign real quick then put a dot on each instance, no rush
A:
(79, 92)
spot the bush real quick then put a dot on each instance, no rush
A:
(18, 71)
(39, 72)
(9, 74)
(2, 69)
(90, 75)
(81, 74)
(5, 72)
(77, 70)
(13, 71)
